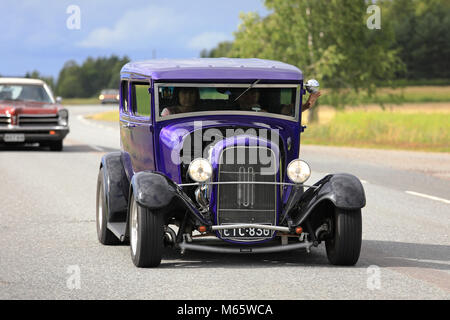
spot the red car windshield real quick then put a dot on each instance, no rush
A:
(21, 92)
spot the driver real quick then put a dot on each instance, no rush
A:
(187, 99)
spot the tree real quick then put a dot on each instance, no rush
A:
(91, 77)
(69, 81)
(421, 35)
(36, 75)
(222, 50)
(327, 39)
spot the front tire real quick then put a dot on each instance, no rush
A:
(345, 245)
(146, 232)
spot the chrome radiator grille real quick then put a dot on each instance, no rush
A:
(248, 201)
(36, 120)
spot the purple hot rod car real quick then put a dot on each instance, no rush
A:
(209, 161)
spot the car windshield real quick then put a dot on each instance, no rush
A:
(20, 92)
(175, 99)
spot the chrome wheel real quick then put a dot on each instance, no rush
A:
(100, 208)
(104, 235)
(134, 227)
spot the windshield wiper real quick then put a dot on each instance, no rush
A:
(246, 90)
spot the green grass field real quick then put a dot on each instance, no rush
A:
(407, 130)
(383, 129)
(105, 116)
(80, 101)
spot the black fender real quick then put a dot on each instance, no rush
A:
(155, 191)
(116, 186)
(344, 190)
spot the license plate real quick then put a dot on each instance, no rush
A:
(20, 137)
(246, 233)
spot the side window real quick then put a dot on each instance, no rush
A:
(124, 96)
(141, 99)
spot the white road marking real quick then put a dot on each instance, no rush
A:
(428, 196)
(92, 124)
(363, 181)
(96, 148)
(82, 119)
(427, 261)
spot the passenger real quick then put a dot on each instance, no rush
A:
(186, 100)
(288, 109)
(249, 101)
(311, 101)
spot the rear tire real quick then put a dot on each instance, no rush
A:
(146, 232)
(105, 236)
(345, 245)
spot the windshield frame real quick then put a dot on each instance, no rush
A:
(227, 112)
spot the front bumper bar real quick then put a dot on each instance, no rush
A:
(35, 133)
(280, 248)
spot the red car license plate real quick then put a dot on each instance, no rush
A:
(10, 137)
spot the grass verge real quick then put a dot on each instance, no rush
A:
(383, 129)
(80, 101)
(105, 116)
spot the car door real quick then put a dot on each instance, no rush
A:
(139, 128)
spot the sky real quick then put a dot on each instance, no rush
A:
(42, 35)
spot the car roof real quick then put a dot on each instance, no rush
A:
(213, 68)
(21, 81)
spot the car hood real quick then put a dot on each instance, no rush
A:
(27, 107)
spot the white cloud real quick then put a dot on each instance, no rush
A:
(137, 28)
(208, 40)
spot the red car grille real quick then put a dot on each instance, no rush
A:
(4, 120)
(37, 120)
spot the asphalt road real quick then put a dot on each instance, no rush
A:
(50, 250)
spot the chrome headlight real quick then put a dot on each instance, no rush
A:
(298, 171)
(200, 170)
(63, 117)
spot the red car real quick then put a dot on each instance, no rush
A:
(29, 114)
